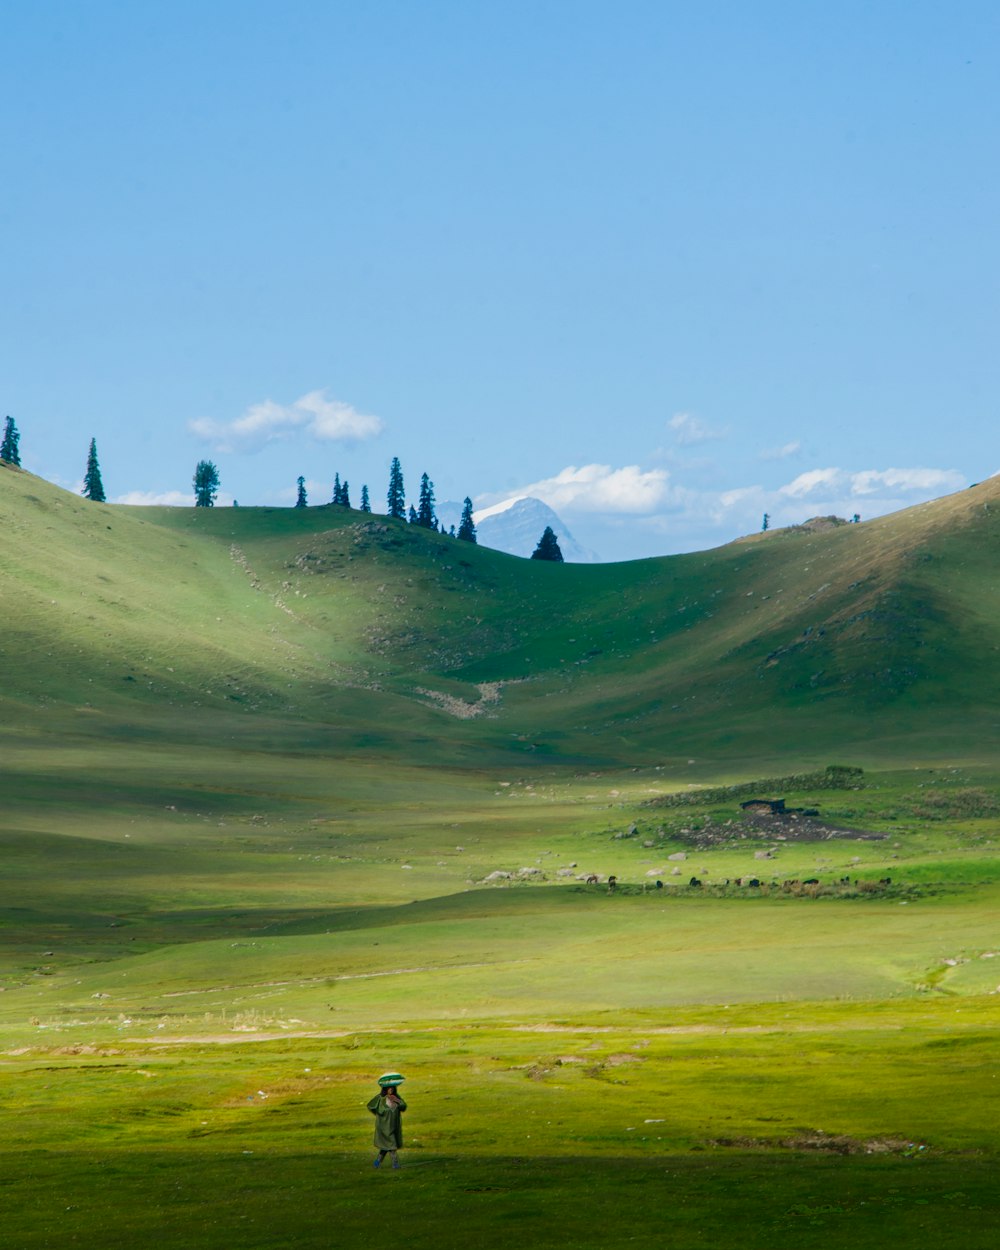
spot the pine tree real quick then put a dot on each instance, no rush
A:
(336, 488)
(93, 487)
(466, 526)
(11, 438)
(425, 507)
(365, 505)
(345, 494)
(206, 484)
(301, 500)
(767, 523)
(412, 518)
(396, 497)
(548, 547)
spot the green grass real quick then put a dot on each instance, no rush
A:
(779, 1128)
(248, 818)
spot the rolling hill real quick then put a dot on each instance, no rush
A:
(386, 635)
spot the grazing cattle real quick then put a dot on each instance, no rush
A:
(885, 880)
(695, 881)
(753, 882)
(659, 884)
(844, 881)
(593, 879)
(612, 884)
(811, 881)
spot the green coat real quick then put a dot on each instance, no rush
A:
(388, 1122)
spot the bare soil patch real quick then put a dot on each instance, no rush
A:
(823, 1143)
(789, 826)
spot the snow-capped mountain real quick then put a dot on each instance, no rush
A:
(515, 525)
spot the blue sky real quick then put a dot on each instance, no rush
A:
(666, 265)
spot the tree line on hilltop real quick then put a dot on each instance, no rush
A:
(10, 450)
(423, 514)
(206, 489)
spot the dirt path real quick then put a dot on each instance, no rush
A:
(670, 1030)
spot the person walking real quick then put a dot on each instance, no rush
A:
(387, 1107)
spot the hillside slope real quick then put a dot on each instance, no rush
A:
(399, 638)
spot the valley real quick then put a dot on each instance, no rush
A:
(261, 770)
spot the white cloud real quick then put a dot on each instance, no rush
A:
(845, 485)
(690, 429)
(695, 519)
(319, 416)
(816, 482)
(157, 499)
(832, 492)
(907, 481)
(600, 488)
(783, 452)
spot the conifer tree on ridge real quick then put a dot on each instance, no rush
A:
(93, 486)
(467, 526)
(425, 506)
(396, 497)
(11, 438)
(548, 547)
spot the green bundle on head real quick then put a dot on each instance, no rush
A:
(389, 1080)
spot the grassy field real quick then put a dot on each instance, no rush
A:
(783, 1127)
(261, 768)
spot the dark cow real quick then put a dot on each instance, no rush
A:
(696, 881)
